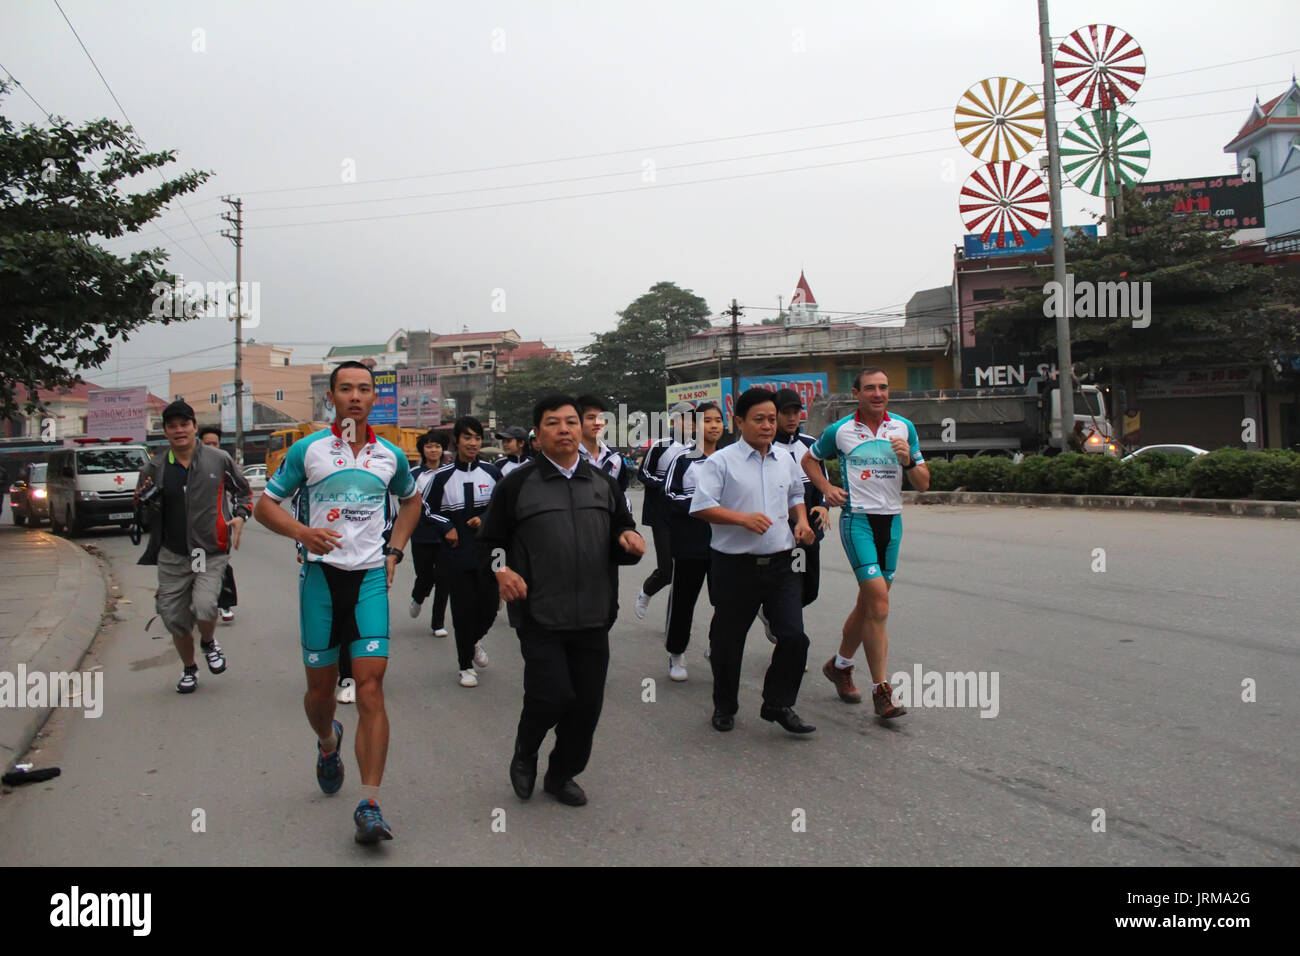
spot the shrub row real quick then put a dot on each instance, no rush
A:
(1272, 475)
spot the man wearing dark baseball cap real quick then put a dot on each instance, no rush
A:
(514, 442)
(789, 415)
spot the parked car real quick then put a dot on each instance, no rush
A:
(256, 475)
(29, 499)
(93, 484)
(1190, 450)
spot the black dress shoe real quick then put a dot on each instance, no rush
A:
(523, 775)
(568, 793)
(723, 722)
(787, 718)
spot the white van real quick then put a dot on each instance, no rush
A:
(93, 484)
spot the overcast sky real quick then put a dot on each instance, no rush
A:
(487, 105)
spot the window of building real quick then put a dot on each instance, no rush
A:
(1293, 106)
(279, 394)
(285, 361)
(212, 398)
(920, 378)
(987, 295)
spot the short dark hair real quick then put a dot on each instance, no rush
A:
(467, 423)
(869, 370)
(334, 375)
(429, 436)
(210, 430)
(751, 397)
(550, 403)
(590, 401)
(707, 407)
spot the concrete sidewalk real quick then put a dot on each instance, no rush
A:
(52, 598)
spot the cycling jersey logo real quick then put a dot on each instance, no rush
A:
(873, 569)
(313, 658)
(366, 463)
(339, 462)
(372, 646)
(333, 515)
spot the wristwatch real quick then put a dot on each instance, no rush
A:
(400, 554)
(911, 466)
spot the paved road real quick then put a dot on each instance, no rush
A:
(1119, 690)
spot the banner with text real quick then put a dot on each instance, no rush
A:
(118, 413)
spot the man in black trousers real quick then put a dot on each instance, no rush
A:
(554, 536)
(751, 492)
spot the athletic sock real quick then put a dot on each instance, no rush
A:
(875, 687)
(330, 744)
(369, 793)
(843, 662)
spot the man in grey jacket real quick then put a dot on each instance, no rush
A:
(196, 501)
(554, 535)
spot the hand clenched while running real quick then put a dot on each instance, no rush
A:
(511, 586)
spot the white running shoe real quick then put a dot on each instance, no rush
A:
(227, 614)
(414, 609)
(767, 628)
(438, 632)
(468, 678)
(480, 655)
(677, 667)
(642, 605)
(346, 692)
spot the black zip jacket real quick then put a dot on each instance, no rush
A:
(798, 445)
(690, 536)
(561, 536)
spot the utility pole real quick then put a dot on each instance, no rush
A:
(237, 237)
(1065, 377)
(734, 312)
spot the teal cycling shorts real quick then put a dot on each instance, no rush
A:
(871, 544)
(338, 607)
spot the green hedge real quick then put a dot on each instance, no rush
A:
(1272, 475)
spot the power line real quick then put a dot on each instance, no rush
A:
(133, 126)
(18, 83)
(723, 139)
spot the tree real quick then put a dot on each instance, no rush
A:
(66, 298)
(517, 391)
(627, 365)
(1208, 303)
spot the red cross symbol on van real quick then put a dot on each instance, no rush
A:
(119, 479)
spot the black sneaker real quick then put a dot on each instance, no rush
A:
(189, 681)
(216, 660)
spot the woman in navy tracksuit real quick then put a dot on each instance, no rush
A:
(456, 498)
(690, 539)
(427, 537)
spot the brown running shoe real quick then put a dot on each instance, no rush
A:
(843, 681)
(883, 699)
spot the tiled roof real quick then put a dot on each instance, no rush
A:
(1260, 118)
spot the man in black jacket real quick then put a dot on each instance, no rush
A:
(554, 536)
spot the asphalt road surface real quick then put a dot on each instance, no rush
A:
(1118, 691)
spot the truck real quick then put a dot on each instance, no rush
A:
(280, 440)
(988, 421)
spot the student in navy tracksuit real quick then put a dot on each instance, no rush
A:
(789, 413)
(690, 539)
(654, 509)
(456, 499)
(426, 540)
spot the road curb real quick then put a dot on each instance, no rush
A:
(56, 639)
(1211, 506)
